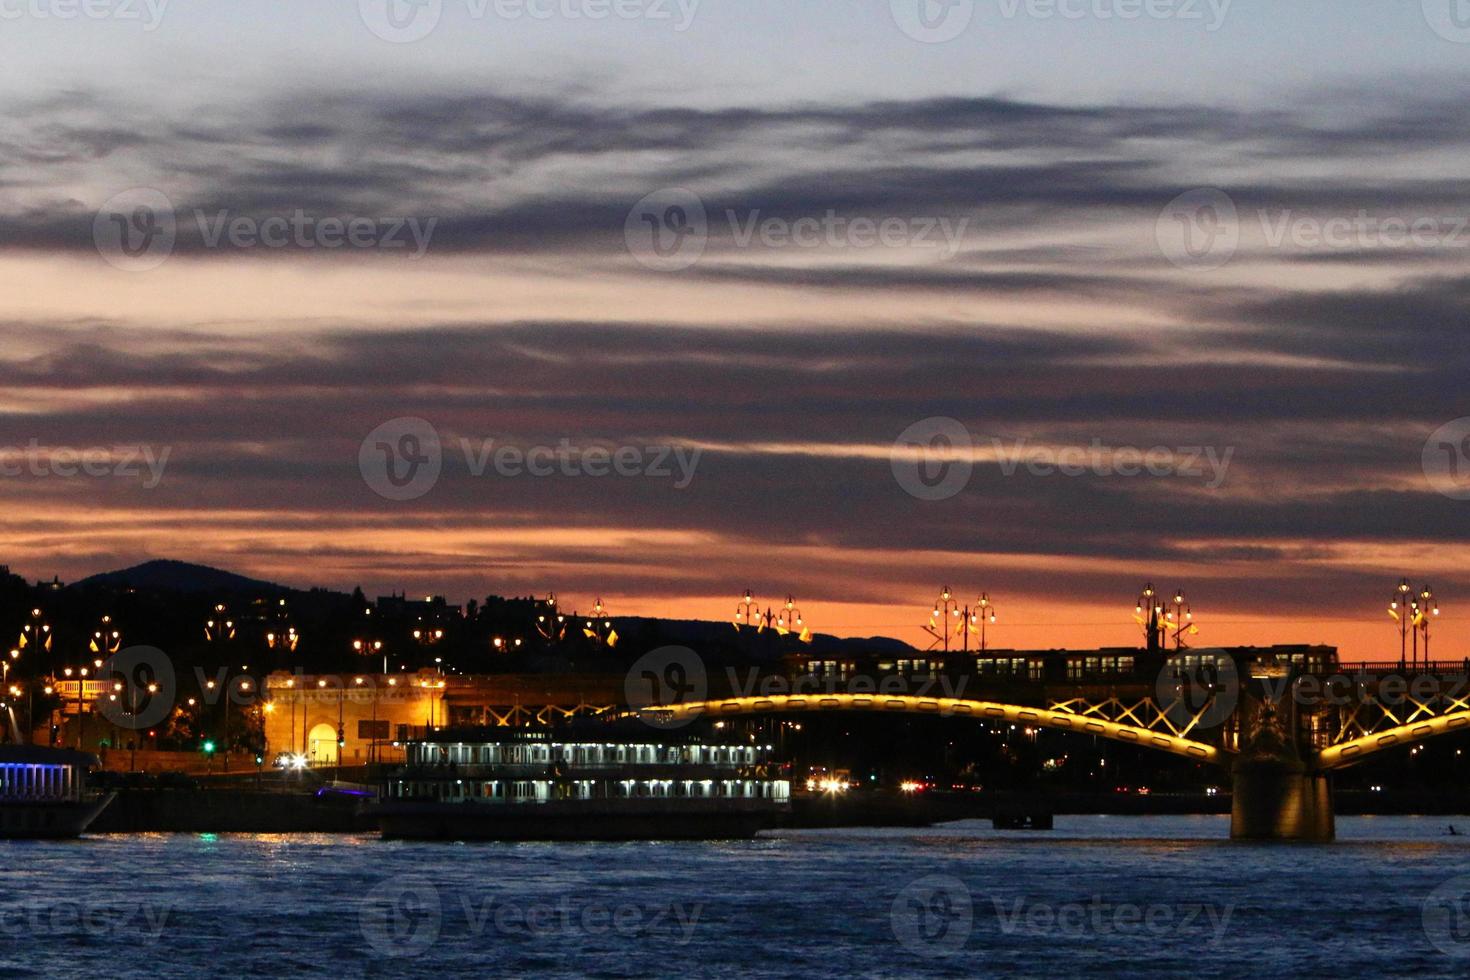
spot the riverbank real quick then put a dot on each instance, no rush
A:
(276, 811)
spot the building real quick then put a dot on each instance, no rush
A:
(362, 718)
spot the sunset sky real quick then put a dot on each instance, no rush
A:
(1240, 229)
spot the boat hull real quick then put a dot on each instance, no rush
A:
(49, 819)
(578, 820)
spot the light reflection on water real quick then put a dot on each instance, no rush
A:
(1111, 896)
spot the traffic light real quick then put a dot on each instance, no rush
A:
(209, 747)
(341, 738)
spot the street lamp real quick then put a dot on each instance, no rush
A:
(1399, 608)
(1428, 609)
(946, 608)
(1148, 613)
(983, 613)
(747, 613)
(790, 617)
(1179, 620)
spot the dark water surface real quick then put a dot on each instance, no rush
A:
(1105, 896)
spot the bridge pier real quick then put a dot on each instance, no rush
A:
(1274, 800)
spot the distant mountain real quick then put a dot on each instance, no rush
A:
(179, 576)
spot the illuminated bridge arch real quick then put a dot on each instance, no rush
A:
(1354, 750)
(1132, 733)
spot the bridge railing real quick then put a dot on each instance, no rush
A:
(1395, 667)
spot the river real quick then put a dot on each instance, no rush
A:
(1106, 896)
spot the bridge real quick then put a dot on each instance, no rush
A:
(1277, 720)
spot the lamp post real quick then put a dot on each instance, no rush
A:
(1398, 608)
(984, 612)
(1179, 620)
(747, 612)
(946, 608)
(1428, 609)
(1148, 612)
(790, 616)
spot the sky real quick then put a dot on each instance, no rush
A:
(657, 301)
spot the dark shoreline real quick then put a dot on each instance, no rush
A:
(263, 812)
